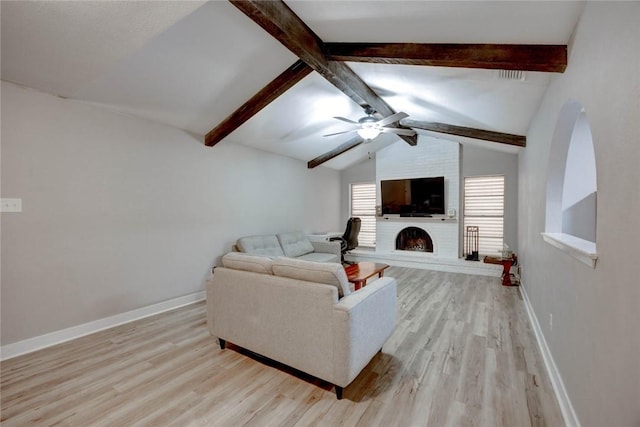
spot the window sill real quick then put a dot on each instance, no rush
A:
(582, 250)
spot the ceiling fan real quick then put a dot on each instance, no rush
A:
(369, 127)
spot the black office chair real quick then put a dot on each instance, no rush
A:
(349, 239)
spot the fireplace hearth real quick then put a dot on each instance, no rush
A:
(414, 239)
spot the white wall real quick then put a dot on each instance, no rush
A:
(594, 337)
(120, 213)
(478, 161)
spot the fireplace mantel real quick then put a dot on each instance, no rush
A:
(398, 218)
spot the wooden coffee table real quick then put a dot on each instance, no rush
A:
(359, 272)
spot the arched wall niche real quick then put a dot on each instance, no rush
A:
(571, 203)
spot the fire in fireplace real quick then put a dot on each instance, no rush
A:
(414, 239)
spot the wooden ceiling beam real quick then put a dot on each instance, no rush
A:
(328, 59)
(284, 25)
(352, 143)
(264, 97)
(548, 58)
(485, 135)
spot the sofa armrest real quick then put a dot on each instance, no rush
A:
(362, 323)
(327, 247)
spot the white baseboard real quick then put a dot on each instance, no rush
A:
(451, 265)
(36, 343)
(568, 413)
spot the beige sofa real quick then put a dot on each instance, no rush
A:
(293, 244)
(300, 313)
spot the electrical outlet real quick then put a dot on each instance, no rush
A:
(11, 205)
(550, 322)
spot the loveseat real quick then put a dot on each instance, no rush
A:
(293, 244)
(300, 313)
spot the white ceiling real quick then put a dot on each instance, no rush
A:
(189, 64)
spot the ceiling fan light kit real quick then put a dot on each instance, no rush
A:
(368, 132)
(369, 127)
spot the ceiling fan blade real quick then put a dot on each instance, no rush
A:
(340, 133)
(398, 131)
(392, 118)
(344, 119)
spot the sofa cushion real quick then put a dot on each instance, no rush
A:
(319, 257)
(242, 261)
(267, 245)
(328, 273)
(294, 244)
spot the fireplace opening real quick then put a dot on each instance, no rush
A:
(414, 239)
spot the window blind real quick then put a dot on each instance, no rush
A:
(363, 206)
(484, 208)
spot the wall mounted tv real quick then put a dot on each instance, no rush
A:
(413, 197)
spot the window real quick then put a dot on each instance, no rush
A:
(484, 208)
(363, 206)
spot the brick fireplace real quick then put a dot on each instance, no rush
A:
(431, 157)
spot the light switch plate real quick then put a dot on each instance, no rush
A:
(11, 205)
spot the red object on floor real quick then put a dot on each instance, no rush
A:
(506, 272)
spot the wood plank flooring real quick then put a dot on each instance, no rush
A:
(463, 354)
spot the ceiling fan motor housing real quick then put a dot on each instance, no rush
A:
(367, 121)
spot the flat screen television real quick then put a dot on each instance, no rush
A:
(414, 196)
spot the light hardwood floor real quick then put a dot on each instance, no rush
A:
(463, 354)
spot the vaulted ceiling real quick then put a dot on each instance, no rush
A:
(192, 64)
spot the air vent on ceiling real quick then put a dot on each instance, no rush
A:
(511, 75)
